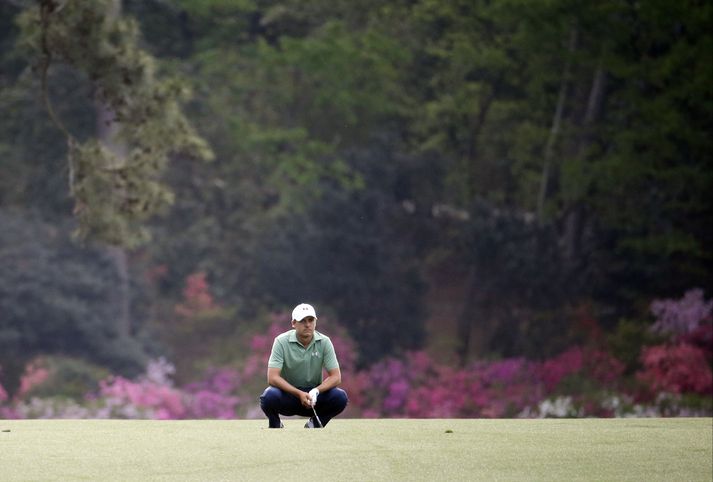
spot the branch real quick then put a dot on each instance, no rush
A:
(554, 130)
(47, 8)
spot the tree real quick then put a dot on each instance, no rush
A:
(350, 255)
(532, 106)
(54, 298)
(84, 52)
(113, 195)
(280, 115)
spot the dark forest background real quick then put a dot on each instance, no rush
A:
(485, 179)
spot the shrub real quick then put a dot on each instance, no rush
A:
(214, 397)
(682, 365)
(150, 396)
(57, 376)
(681, 317)
(680, 368)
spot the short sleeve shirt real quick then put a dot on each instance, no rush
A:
(302, 367)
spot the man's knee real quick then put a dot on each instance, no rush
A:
(270, 398)
(339, 398)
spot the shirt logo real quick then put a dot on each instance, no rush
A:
(315, 353)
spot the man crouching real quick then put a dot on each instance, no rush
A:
(294, 373)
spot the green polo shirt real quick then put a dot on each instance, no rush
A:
(302, 367)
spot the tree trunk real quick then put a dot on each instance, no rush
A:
(11, 370)
(574, 220)
(122, 294)
(554, 130)
(477, 123)
(470, 305)
(465, 320)
(107, 128)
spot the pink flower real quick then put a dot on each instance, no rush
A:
(681, 368)
(196, 295)
(35, 374)
(556, 369)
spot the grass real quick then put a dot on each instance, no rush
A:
(364, 450)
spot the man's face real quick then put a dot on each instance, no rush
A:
(305, 327)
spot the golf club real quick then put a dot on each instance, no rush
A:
(317, 417)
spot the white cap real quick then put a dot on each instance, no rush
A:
(302, 311)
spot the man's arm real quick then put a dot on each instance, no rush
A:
(274, 379)
(334, 379)
(334, 375)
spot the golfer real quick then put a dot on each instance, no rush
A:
(294, 373)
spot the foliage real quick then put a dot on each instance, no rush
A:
(214, 397)
(354, 238)
(579, 382)
(419, 387)
(59, 376)
(113, 193)
(151, 395)
(296, 106)
(681, 317)
(681, 368)
(537, 156)
(56, 297)
(684, 364)
(197, 317)
(628, 339)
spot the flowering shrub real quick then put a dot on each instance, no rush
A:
(35, 374)
(553, 371)
(196, 295)
(578, 382)
(150, 396)
(53, 407)
(592, 364)
(680, 368)
(260, 346)
(484, 389)
(154, 396)
(683, 364)
(418, 387)
(581, 381)
(684, 316)
(213, 397)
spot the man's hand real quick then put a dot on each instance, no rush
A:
(313, 396)
(305, 400)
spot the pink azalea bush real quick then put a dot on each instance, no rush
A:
(196, 295)
(154, 396)
(214, 397)
(682, 365)
(678, 368)
(150, 396)
(495, 389)
(35, 374)
(418, 387)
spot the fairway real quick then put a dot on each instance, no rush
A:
(573, 449)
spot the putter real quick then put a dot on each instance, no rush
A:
(317, 417)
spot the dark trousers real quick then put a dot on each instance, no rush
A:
(274, 402)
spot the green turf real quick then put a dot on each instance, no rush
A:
(364, 450)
